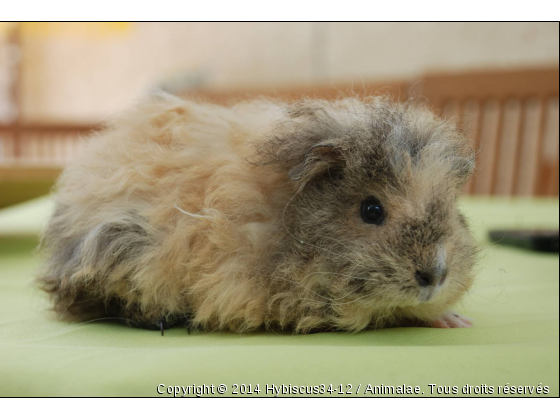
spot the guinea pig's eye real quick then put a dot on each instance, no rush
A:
(372, 211)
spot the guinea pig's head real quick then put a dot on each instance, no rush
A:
(373, 218)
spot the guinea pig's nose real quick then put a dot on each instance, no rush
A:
(425, 278)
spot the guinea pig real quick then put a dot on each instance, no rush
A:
(309, 216)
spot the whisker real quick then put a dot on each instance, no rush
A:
(77, 326)
(199, 216)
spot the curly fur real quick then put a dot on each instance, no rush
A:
(249, 217)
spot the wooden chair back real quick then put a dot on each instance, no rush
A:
(510, 116)
(512, 120)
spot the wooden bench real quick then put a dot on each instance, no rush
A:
(510, 116)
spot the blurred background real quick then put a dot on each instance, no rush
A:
(498, 81)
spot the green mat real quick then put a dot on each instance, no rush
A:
(514, 342)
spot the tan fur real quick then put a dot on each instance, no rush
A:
(249, 217)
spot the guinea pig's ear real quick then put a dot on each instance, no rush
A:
(317, 160)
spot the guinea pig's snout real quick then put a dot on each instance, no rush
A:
(429, 278)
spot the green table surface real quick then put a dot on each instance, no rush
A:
(514, 341)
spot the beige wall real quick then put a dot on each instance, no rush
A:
(84, 75)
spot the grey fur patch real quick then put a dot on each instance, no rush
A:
(76, 263)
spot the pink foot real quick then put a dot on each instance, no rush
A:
(452, 319)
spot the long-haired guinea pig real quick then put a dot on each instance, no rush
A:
(310, 216)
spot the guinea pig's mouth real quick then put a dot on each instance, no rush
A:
(427, 295)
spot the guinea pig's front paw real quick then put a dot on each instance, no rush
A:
(452, 319)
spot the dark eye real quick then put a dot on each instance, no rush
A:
(372, 211)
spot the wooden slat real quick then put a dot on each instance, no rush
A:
(48, 129)
(487, 149)
(505, 164)
(497, 148)
(499, 86)
(35, 143)
(539, 187)
(482, 85)
(517, 152)
(548, 153)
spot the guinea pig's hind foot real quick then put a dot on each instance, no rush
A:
(452, 319)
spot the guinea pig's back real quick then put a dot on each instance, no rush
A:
(159, 204)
